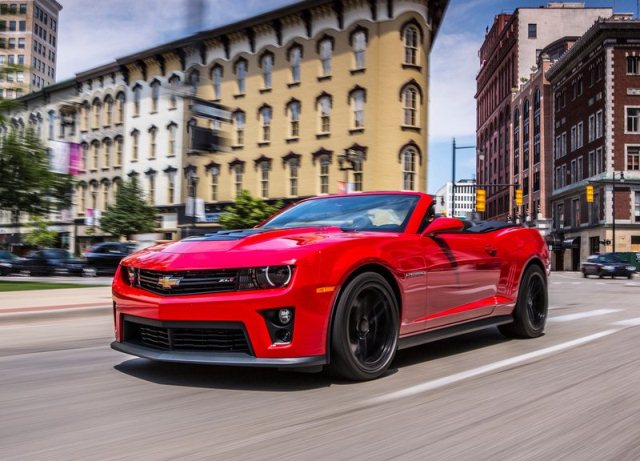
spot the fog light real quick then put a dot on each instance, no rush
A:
(284, 336)
(284, 315)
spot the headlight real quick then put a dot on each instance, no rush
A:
(5, 264)
(265, 277)
(130, 275)
(609, 268)
(631, 268)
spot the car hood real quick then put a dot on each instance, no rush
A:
(243, 248)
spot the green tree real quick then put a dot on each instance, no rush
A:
(131, 214)
(247, 212)
(26, 184)
(40, 236)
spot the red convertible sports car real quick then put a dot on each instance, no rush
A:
(342, 281)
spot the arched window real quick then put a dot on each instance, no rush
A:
(96, 113)
(215, 177)
(295, 59)
(357, 99)
(137, 97)
(516, 141)
(294, 166)
(151, 180)
(106, 158)
(266, 63)
(85, 157)
(357, 175)
(108, 111)
(410, 106)
(174, 84)
(324, 112)
(411, 37)
(82, 198)
(293, 112)
(359, 44)
(324, 162)
(265, 123)
(409, 169)
(153, 138)
(105, 194)
(155, 95)
(86, 108)
(238, 125)
(118, 157)
(172, 129)
(171, 187)
(120, 100)
(326, 52)
(264, 167)
(95, 147)
(216, 79)
(135, 145)
(194, 80)
(238, 172)
(240, 69)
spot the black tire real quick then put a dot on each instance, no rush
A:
(530, 313)
(630, 276)
(364, 336)
(584, 274)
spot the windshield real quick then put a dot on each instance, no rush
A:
(378, 213)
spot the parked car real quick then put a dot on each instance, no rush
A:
(343, 281)
(7, 262)
(607, 265)
(50, 261)
(104, 257)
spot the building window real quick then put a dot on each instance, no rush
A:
(357, 107)
(265, 124)
(52, 121)
(96, 114)
(410, 106)
(152, 189)
(632, 65)
(216, 79)
(295, 58)
(633, 120)
(238, 171)
(359, 44)
(137, 96)
(174, 83)
(153, 135)
(240, 69)
(636, 208)
(135, 138)
(357, 175)
(294, 165)
(633, 158)
(108, 109)
(215, 175)
(516, 142)
(238, 125)
(120, 100)
(171, 187)
(324, 110)
(410, 37)
(106, 159)
(155, 95)
(118, 157)
(599, 124)
(326, 51)
(591, 128)
(266, 63)
(293, 111)
(409, 169)
(599, 161)
(172, 129)
(194, 81)
(96, 156)
(324, 174)
(265, 167)
(532, 30)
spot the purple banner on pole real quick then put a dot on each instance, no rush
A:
(75, 158)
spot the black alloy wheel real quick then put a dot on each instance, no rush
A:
(530, 313)
(365, 329)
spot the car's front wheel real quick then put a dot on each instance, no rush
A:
(530, 314)
(364, 337)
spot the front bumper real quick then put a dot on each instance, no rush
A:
(208, 358)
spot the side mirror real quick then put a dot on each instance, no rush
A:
(441, 225)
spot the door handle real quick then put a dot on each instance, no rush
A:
(491, 251)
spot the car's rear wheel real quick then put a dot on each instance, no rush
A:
(364, 337)
(584, 273)
(530, 314)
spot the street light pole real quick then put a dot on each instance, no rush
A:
(453, 174)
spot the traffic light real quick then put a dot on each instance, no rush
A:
(590, 194)
(481, 200)
(519, 197)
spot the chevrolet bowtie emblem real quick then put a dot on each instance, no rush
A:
(167, 282)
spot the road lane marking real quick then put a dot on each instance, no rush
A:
(628, 322)
(583, 315)
(457, 377)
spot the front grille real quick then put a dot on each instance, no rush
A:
(189, 282)
(187, 336)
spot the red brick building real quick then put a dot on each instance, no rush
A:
(510, 50)
(596, 132)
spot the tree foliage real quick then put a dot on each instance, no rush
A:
(26, 184)
(247, 212)
(40, 236)
(131, 214)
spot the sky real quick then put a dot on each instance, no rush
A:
(93, 33)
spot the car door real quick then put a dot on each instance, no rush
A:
(463, 270)
(114, 252)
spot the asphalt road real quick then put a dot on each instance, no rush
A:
(573, 394)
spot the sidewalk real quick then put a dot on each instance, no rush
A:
(48, 300)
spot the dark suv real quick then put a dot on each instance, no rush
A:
(105, 257)
(607, 265)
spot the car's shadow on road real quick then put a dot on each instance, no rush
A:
(273, 380)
